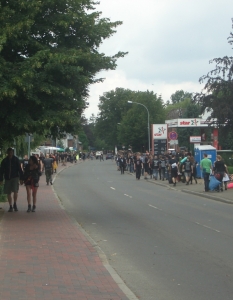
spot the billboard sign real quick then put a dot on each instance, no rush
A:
(159, 131)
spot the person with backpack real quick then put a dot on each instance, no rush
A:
(188, 169)
(163, 167)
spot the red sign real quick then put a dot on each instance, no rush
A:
(173, 135)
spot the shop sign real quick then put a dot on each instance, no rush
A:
(189, 122)
(195, 139)
(159, 131)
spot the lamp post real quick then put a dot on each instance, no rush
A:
(148, 121)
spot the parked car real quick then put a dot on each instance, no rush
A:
(109, 156)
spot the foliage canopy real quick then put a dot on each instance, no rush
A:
(48, 58)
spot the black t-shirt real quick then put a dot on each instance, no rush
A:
(25, 163)
(163, 163)
(187, 166)
(173, 164)
(146, 163)
(155, 164)
(138, 163)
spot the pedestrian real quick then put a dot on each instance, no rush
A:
(173, 166)
(31, 180)
(48, 167)
(194, 174)
(219, 169)
(12, 172)
(206, 167)
(226, 177)
(146, 166)
(122, 164)
(163, 167)
(138, 165)
(24, 162)
(155, 167)
(188, 169)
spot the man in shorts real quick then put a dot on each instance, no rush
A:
(12, 172)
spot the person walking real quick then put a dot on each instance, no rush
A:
(146, 166)
(24, 162)
(188, 169)
(48, 167)
(122, 164)
(31, 180)
(163, 167)
(219, 169)
(174, 169)
(155, 167)
(12, 172)
(138, 165)
(206, 167)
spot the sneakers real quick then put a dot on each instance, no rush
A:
(51, 182)
(33, 208)
(15, 207)
(10, 209)
(29, 208)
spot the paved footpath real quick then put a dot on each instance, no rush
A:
(44, 255)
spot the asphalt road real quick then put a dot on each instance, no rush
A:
(166, 245)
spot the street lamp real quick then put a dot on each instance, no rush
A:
(148, 121)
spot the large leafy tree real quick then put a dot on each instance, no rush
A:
(112, 106)
(48, 58)
(133, 130)
(217, 96)
(120, 123)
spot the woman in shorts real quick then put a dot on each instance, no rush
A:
(31, 180)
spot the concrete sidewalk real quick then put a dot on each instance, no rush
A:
(44, 255)
(197, 189)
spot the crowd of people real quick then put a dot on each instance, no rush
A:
(174, 167)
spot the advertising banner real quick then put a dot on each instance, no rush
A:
(159, 137)
(159, 131)
(195, 122)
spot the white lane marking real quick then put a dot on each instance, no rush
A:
(207, 227)
(112, 188)
(155, 207)
(128, 196)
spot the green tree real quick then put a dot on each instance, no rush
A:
(133, 129)
(217, 97)
(180, 96)
(48, 58)
(113, 106)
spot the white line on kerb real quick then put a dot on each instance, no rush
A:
(207, 227)
(112, 188)
(155, 207)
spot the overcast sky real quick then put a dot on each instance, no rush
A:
(170, 44)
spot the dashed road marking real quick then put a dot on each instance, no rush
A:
(112, 188)
(128, 196)
(207, 227)
(155, 207)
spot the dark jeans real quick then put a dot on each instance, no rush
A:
(138, 173)
(48, 174)
(162, 173)
(206, 180)
(122, 169)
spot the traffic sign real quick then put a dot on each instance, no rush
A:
(173, 135)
